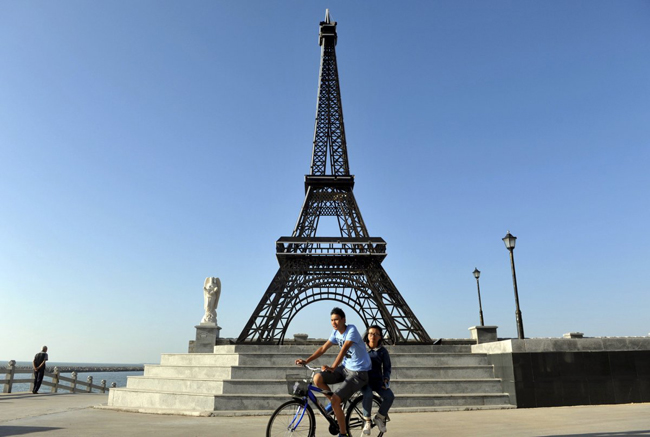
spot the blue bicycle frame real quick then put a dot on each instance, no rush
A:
(310, 396)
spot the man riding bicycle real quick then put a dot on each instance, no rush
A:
(350, 366)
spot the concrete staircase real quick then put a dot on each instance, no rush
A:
(250, 380)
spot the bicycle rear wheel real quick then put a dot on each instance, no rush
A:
(293, 418)
(354, 420)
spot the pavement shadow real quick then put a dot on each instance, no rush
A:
(22, 430)
(606, 434)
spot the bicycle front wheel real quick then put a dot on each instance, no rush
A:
(293, 418)
(354, 420)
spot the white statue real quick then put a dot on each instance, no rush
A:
(211, 294)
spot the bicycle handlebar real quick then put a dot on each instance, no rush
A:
(313, 369)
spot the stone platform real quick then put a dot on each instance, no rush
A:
(250, 380)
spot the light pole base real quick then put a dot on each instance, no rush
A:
(483, 334)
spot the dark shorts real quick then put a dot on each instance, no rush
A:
(351, 382)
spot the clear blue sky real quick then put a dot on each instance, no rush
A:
(146, 145)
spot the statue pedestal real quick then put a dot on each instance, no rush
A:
(484, 334)
(207, 335)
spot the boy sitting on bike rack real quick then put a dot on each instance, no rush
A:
(350, 366)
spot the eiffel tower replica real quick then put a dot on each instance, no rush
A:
(346, 268)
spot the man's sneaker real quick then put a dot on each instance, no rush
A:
(367, 427)
(380, 421)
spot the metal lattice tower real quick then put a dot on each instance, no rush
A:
(345, 268)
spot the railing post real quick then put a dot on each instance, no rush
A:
(55, 380)
(90, 384)
(103, 386)
(74, 382)
(11, 368)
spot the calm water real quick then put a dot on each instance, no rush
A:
(118, 377)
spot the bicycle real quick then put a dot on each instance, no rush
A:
(296, 417)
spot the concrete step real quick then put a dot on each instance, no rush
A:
(125, 398)
(222, 359)
(468, 407)
(270, 403)
(442, 372)
(177, 385)
(279, 372)
(134, 398)
(223, 372)
(450, 400)
(269, 348)
(279, 386)
(447, 349)
(129, 398)
(438, 359)
(446, 386)
(309, 349)
(288, 359)
(207, 386)
(199, 372)
(263, 402)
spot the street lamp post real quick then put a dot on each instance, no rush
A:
(509, 241)
(477, 273)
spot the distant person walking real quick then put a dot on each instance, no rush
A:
(39, 368)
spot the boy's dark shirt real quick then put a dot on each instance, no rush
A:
(39, 358)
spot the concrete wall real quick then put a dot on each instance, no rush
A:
(563, 372)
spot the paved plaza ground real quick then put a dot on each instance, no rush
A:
(50, 415)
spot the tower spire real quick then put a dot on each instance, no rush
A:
(329, 132)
